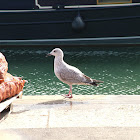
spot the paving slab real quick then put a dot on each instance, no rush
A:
(83, 117)
(76, 133)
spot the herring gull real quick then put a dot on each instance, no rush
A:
(68, 74)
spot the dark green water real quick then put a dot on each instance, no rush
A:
(118, 67)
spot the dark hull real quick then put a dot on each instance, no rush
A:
(103, 25)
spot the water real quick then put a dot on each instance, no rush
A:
(118, 67)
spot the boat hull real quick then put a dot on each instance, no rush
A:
(102, 25)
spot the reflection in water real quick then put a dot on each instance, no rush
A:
(117, 67)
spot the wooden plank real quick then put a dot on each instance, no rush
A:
(6, 107)
(7, 102)
(4, 114)
(20, 95)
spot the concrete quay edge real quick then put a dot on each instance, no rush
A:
(105, 117)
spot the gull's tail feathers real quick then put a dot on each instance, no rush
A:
(96, 82)
(90, 81)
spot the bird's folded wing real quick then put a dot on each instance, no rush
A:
(72, 76)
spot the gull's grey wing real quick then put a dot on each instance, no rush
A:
(73, 77)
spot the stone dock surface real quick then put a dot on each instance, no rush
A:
(85, 117)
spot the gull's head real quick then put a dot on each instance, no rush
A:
(56, 52)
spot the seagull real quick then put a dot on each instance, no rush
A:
(68, 74)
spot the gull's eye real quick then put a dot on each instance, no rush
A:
(54, 51)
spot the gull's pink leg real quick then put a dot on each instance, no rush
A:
(69, 95)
